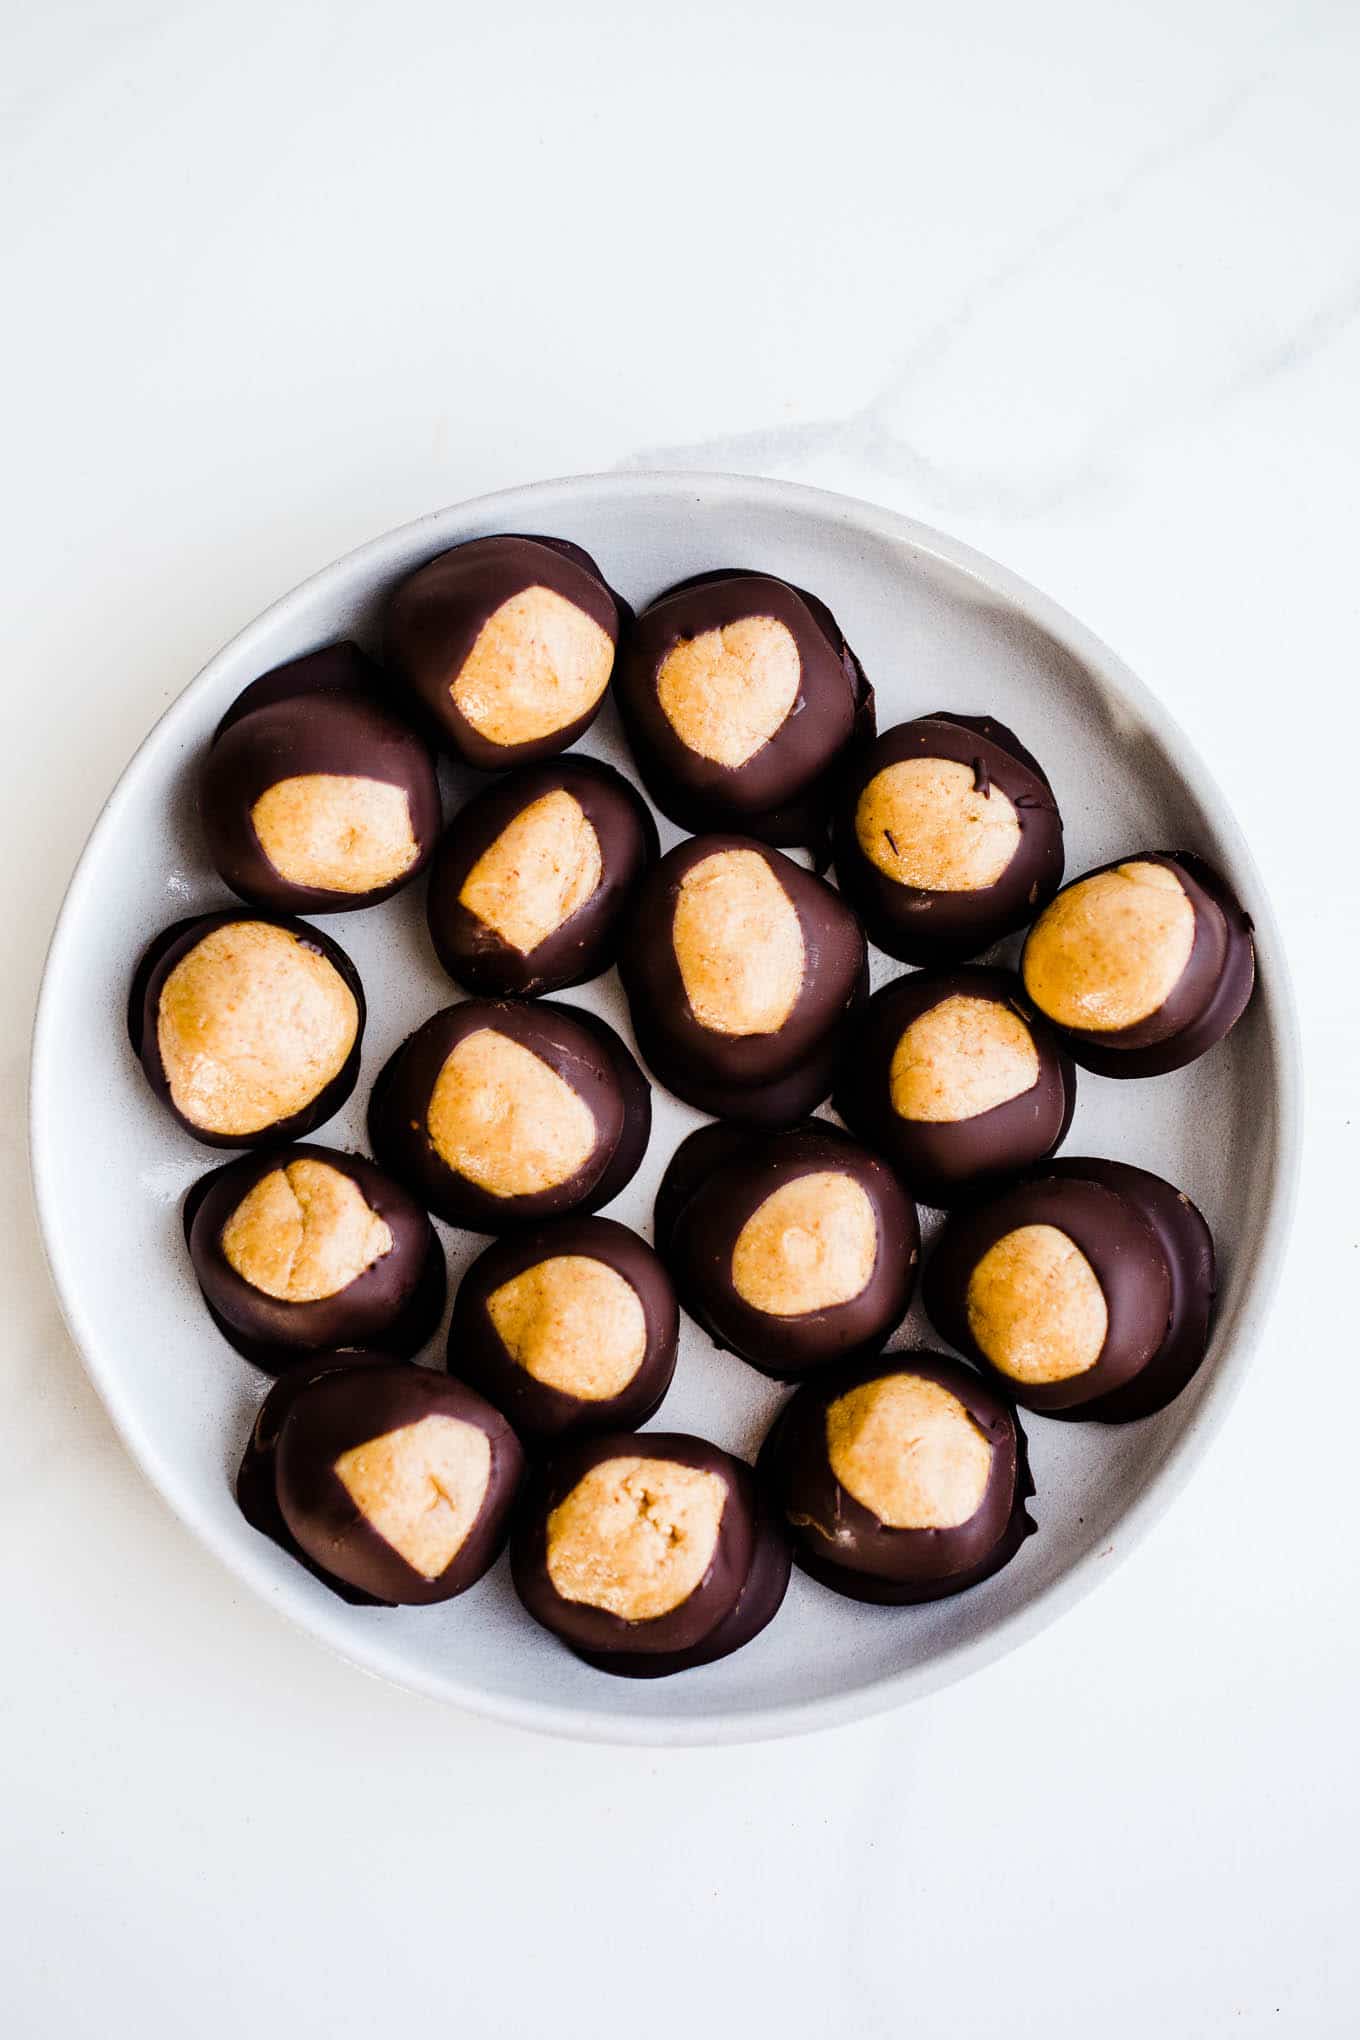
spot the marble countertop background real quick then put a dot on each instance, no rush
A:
(1079, 284)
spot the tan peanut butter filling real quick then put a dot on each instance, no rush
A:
(538, 665)
(573, 1323)
(926, 824)
(909, 1452)
(421, 1487)
(304, 1232)
(1111, 949)
(251, 1026)
(738, 943)
(960, 1058)
(499, 1116)
(336, 831)
(541, 869)
(635, 1536)
(1036, 1308)
(727, 691)
(811, 1244)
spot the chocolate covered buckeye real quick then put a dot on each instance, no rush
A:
(900, 1479)
(739, 968)
(248, 1026)
(740, 697)
(315, 797)
(1142, 965)
(498, 1115)
(533, 878)
(1086, 1289)
(947, 837)
(791, 1249)
(571, 1327)
(508, 643)
(396, 1480)
(951, 1077)
(304, 1249)
(649, 1553)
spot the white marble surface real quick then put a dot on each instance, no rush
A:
(1079, 284)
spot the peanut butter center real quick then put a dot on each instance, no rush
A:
(1036, 1308)
(502, 1118)
(1110, 949)
(810, 1245)
(421, 1487)
(909, 1452)
(926, 824)
(251, 1026)
(337, 832)
(574, 1323)
(538, 665)
(304, 1232)
(540, 870)
(739, 944)
(635, 1536)
(960, 1058)
(727, 691)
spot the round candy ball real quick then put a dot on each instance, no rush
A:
(247, 1026)
(315, 797)
(303, 1249)
(508, 643)
(499, 1115)
(570, 1327)
(397, 1480)
(1142, 965)
(739, 968)
(947, 837)
(1086, 1290)
(740, 697)
(900, 1479)
(649, 1553)
(791, 1249)
(950, 1076)
(533, 878)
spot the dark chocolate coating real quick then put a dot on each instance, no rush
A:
(326, 713)
(479, 959)
(945, 927)
(538, 1411)
(594, 1632)
(583, 1050)
(1151, 1253)
(764, 1079)
(256, 1493)
(433, 619)
(780, 793)
(945, 1160)
(715, 1182)
(1209, 997)
(336, 1411)
(155, 966)
(395, 1304)
(844, 1545)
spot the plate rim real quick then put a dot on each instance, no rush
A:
(1185, 1450)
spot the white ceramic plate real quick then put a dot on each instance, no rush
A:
(936, 626)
